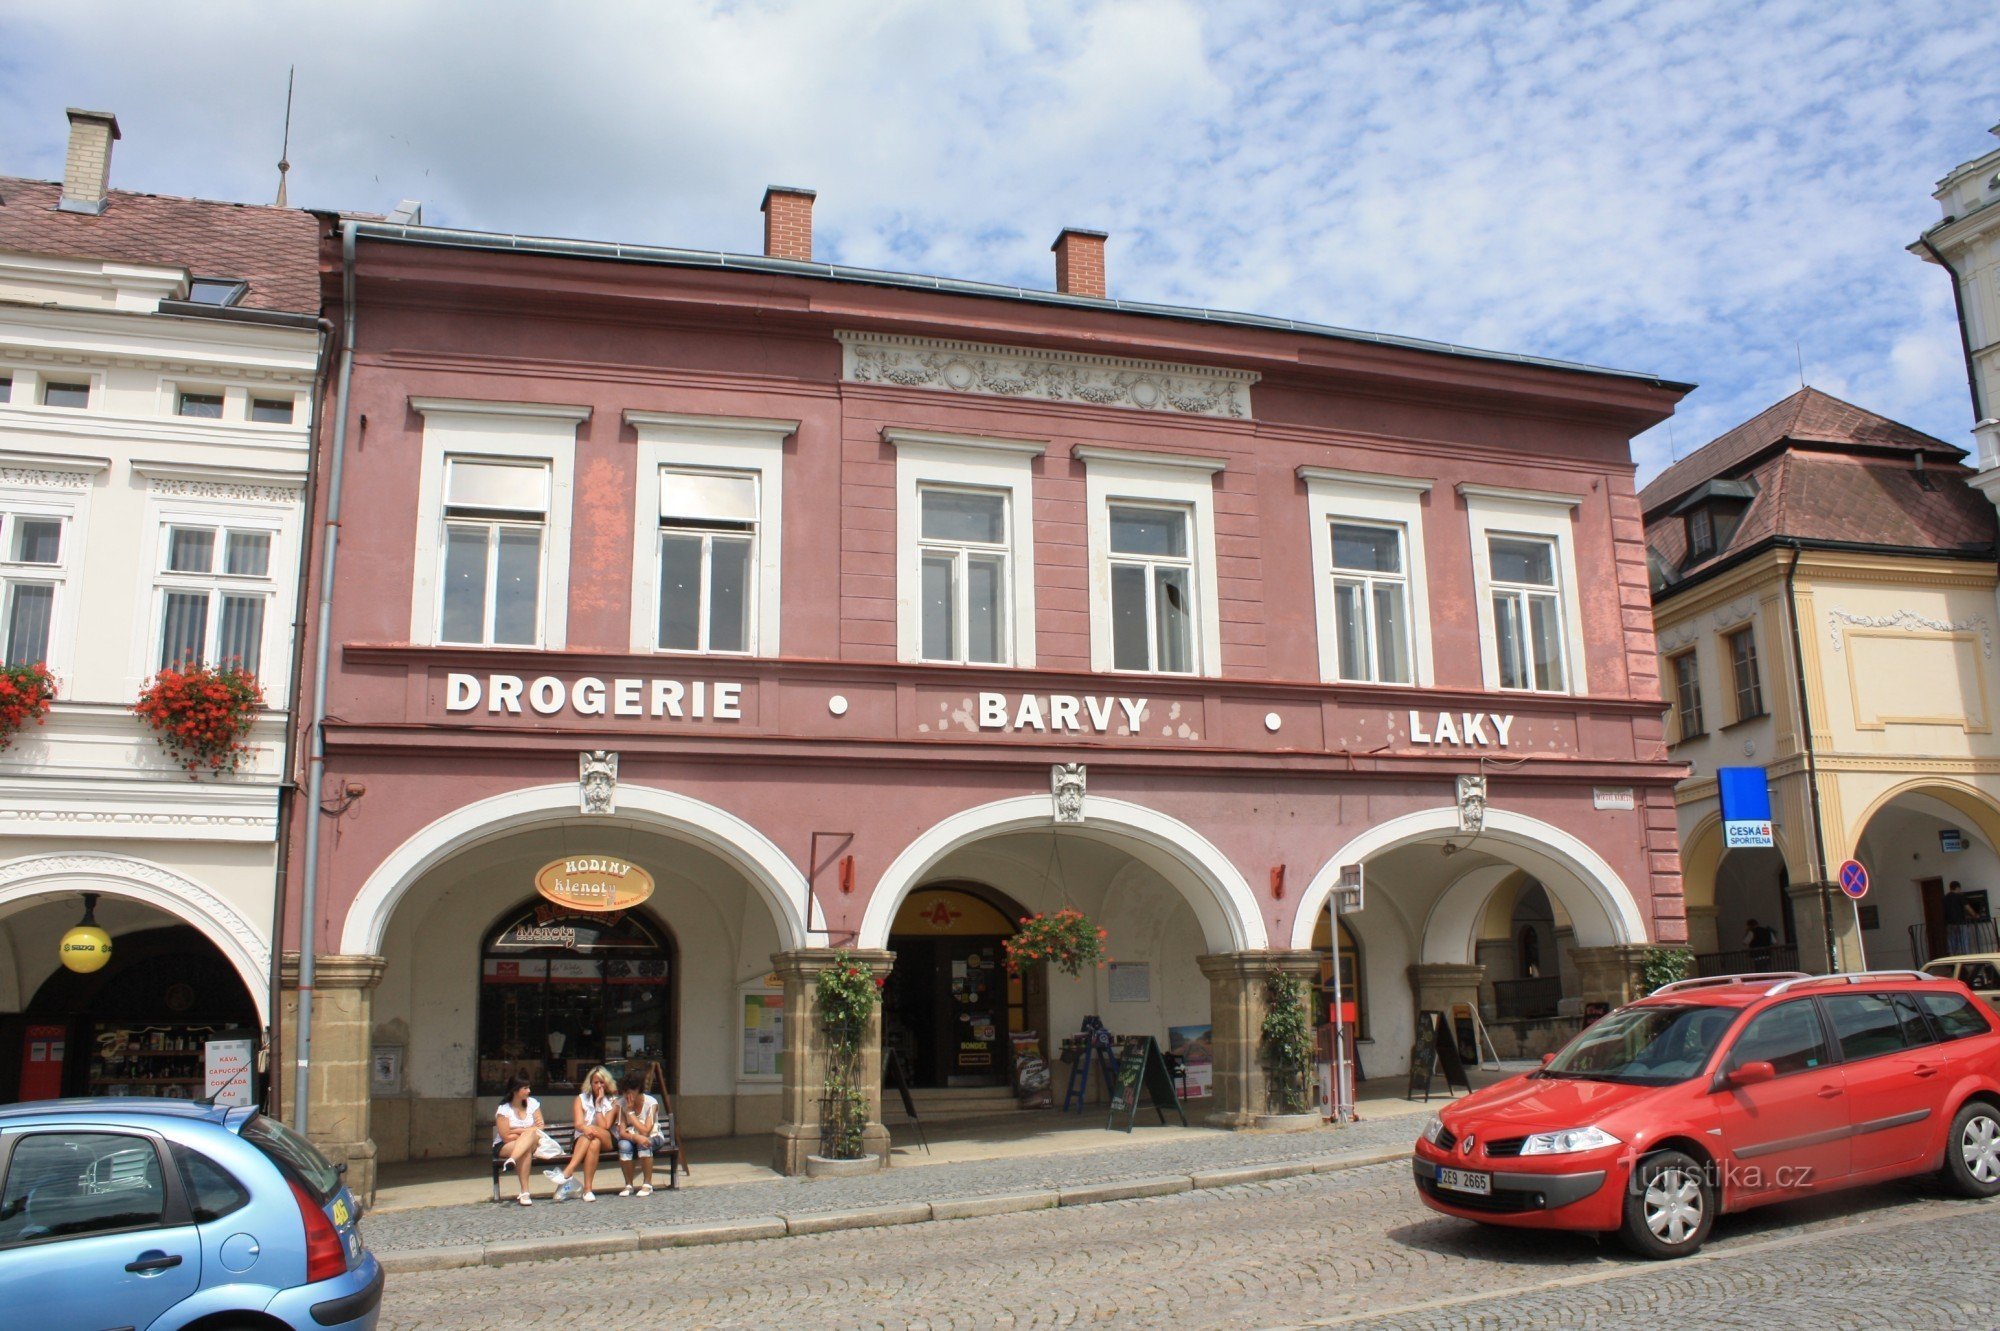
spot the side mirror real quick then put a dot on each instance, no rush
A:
(1548, 1058)
(1749, 1074)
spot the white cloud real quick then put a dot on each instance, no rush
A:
(1688, 188)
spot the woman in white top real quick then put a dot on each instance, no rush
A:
(638, 1131)
(596, 1109)
(517, 1127)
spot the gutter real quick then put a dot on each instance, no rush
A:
(451, 238)
(1806, 750)
(1964, 328)
(322, 649)
(287, 784)
(234, 314)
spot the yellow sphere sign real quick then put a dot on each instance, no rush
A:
(594, 882)
(84, 949)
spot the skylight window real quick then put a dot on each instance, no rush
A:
(216, 290)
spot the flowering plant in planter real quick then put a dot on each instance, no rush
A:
(201, 714)
(848, 995)
(25, 694)
(1067, 939)
(1288, 1043)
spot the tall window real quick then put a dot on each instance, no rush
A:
(1701, 533)
(215, 586)
(1152, 590)
(1527, 612)
(496, 514)
(1687, 695)
(30, 570)
(1371, 603)
(963, 549)
(1743, 666)
(708, 560)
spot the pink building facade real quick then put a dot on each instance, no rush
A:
(802, 589)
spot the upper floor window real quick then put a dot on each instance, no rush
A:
(216, 290)
(271, 410)
(207, 406)
(1527, 612)
(6, 387)
(59, 394)
(496, 516)
(1152, 590)
(963, 535)
(1371, 603)
(1743, 668)
(1700, 533)
(708, 559)
(31, 570)
(1687, 694)
(215, 587)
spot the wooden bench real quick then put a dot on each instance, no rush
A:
(565, 1136)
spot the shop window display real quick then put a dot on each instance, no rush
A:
(562, 991)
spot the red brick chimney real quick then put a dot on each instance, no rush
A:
(788, 223)
(1080, 262)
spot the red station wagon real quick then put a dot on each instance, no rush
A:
(1721, 1094)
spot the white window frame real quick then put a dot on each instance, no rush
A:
(1157, 480)
(507, 431)
(961, 553)
(928, 458)
(494, 523)
(1367, 499)
(1536, 514)
(69, 508)
(216, 584)
(742, 444)
(277, 510)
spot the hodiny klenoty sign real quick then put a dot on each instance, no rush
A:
(594, 882)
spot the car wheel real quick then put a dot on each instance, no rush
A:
(1669, 1207)
(1972, 1152)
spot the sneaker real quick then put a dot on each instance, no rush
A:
(625, 1191)
(646, 1190)
(590, 1196)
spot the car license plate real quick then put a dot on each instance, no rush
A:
(1465, 1180)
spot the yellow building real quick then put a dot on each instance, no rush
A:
(1824, 592)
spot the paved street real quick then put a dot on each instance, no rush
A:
(1352, 1249)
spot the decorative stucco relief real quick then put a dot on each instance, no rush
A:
(180, 488)
(1736, 612)
(1838, 621)
(40, 479)
(1048, 376)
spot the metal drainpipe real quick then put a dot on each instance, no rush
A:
(287, 787)
(1812, 773)
(322, 649)
(1964, 328)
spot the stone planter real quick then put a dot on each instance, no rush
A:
(820, 1166)
(1288, 1122)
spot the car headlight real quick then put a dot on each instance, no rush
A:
(1568, 1140)
(1433, 1129)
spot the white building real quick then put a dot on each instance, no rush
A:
(1967, 244)
(157, 359)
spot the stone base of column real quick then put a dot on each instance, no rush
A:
(1436, 985)
(337, 1118)
(1236, 1007)
(798, 1133)
(1613, 975)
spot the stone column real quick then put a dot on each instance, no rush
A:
(1702, 935)
(797, 1133)
(1809, 917)
(1236, 1007)
(337, 1113)
(1614, 975)
(1437, 985)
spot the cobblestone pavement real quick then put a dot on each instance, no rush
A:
(1349, 1249)
(483, 1222)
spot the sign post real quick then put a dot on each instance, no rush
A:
(1854, 882)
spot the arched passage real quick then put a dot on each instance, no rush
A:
(1919, 839)
(1212, 887)
(769, 871)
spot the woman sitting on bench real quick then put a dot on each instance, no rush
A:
(638, 1131)
(596, 1110)
(517, 1132)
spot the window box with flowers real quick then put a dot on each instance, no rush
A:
(25, 694)
(202, 715)
(1066, 940)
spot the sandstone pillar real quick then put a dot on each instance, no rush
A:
(338, 1108)
(1613, 975)
(1236, 1006)
(797, 1133)
(1438, 984)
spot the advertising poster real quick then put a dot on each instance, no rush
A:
(227, 1074)
(763, 1034)
(1191, 1043)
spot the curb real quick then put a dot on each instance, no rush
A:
(505, 1252)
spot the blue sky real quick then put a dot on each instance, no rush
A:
(1701, 190)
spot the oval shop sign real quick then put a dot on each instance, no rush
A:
(594, 882)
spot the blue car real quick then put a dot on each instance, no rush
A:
(154, 1215)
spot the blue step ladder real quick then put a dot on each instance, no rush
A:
(1098, 1050)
